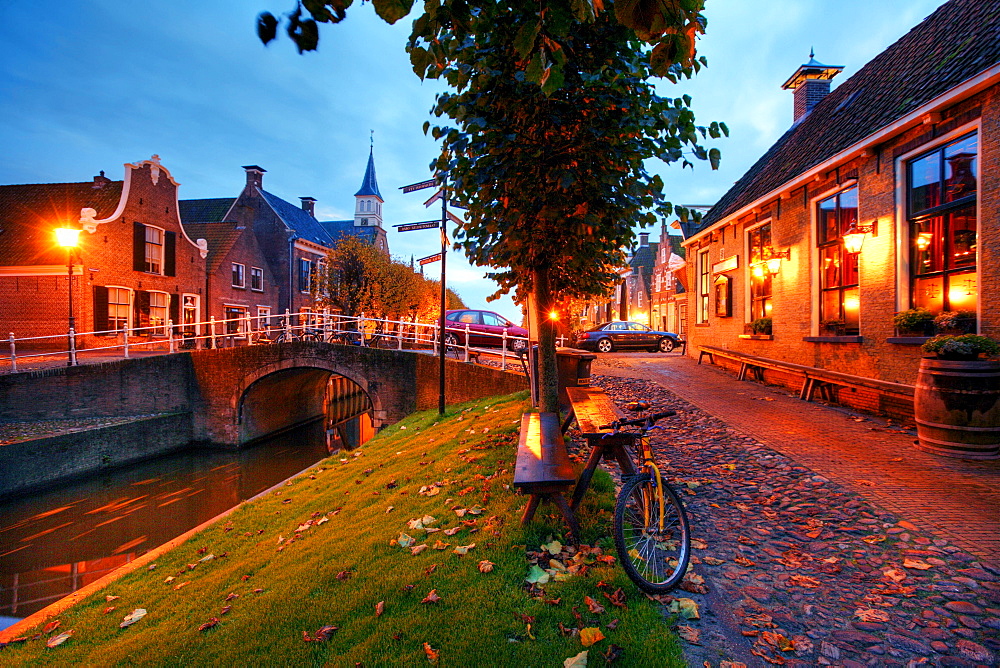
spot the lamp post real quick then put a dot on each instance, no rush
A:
(68, 238)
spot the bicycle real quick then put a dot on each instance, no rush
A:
(651, 530)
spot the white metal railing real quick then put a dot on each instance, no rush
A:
(253, 330)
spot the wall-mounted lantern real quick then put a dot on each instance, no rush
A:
(774, 258)
(854, 237)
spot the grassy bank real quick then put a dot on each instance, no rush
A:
(333, 549)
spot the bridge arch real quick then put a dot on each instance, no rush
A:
(289, 392)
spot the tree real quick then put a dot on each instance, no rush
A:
(554, 117)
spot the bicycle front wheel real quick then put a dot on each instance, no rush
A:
(654, 558)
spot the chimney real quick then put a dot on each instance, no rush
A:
(643, 239)
(309, 205)
(811, 83)
(101, 181)
(255, 176)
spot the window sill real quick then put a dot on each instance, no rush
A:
(239, 287)
(758, 337)
(833, 339)
(907, 340)
(256, 289)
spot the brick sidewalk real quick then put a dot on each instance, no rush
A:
(956, 499)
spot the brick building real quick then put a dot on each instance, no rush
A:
(905, 150)
(134, 268)
(668, 303)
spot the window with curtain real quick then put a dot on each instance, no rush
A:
(758, 241)
(839, 297)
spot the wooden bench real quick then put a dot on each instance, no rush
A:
(813, 378)
(592, 408)
(543, 468)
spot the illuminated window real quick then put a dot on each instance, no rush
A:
(236, 317)
(759, 239)
(118, 308)
(159, 302)
(941, 206)
(838, 283)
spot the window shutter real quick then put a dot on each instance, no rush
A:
(175, 309)
(138, 246)
(100, 308)
(170, 254)
(141, 310)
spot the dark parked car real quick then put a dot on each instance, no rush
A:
(485, 329)
(622, 335)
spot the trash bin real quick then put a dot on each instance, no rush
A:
(574, 370)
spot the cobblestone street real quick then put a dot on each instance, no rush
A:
(822, 537)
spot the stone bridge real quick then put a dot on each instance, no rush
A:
(235, 395)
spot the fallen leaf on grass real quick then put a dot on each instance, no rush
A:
(232, 596)
(180, 586)
(553, 548)
(613, 653)
(432, 597)
(464, 549)
(578, 661)
(486, 566)
(133, 617)
(343, 575)
(379, 608)
(441, 545)
(617, 598)
(110, 598)
(536, 575)
(55, 641)
(452, 531)
(432, 654)
(590, 635)
(417, 549)
(594, 606)
(109, 609)
(209, 624)
(404, 540)
(322, 634)
(170, 578)
(690, 634)
(50, 627)
(225, 609)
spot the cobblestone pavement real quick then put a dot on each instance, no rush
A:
(811, 548)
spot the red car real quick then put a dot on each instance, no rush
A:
(485, 329)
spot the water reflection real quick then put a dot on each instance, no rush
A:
(53, 543)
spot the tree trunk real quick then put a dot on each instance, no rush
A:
(548, 371)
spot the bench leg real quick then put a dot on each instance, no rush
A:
(529, 510)
(569, 420)
(567, 513)
(625, 462)
(588, 472)
(702, 354)
(743, 371)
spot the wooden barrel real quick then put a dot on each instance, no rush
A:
(957, 408)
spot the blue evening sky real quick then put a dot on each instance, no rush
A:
(88, 85)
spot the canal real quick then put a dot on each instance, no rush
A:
(52, 543)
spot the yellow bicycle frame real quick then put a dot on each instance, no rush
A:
(647, 462)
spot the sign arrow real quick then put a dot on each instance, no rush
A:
(423, 225)
(430, 258)
(419, 186)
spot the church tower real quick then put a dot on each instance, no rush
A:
(368, 200)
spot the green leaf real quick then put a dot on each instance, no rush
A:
(536, 575)
(391, 11)
(714, 158)
(524, 42)
(267, 27)
(578, 661)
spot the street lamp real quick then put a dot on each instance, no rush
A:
(68, 237)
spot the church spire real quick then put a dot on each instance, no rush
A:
(369, 185)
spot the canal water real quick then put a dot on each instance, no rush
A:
(55, 542)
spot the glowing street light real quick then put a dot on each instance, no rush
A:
(68, 238)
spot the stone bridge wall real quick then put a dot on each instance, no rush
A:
(210, 384)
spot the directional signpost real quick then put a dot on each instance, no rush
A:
(441, 194)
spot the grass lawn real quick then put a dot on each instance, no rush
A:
(325, 551)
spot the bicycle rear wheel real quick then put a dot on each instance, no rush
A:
(654, 559)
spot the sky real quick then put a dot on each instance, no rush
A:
(88, 85)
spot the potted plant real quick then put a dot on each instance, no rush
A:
(761, 326)
(913, 322)
(955, 322)
(961, 347)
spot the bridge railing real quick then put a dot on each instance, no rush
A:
(168, 337)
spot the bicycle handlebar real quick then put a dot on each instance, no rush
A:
(638, 422)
